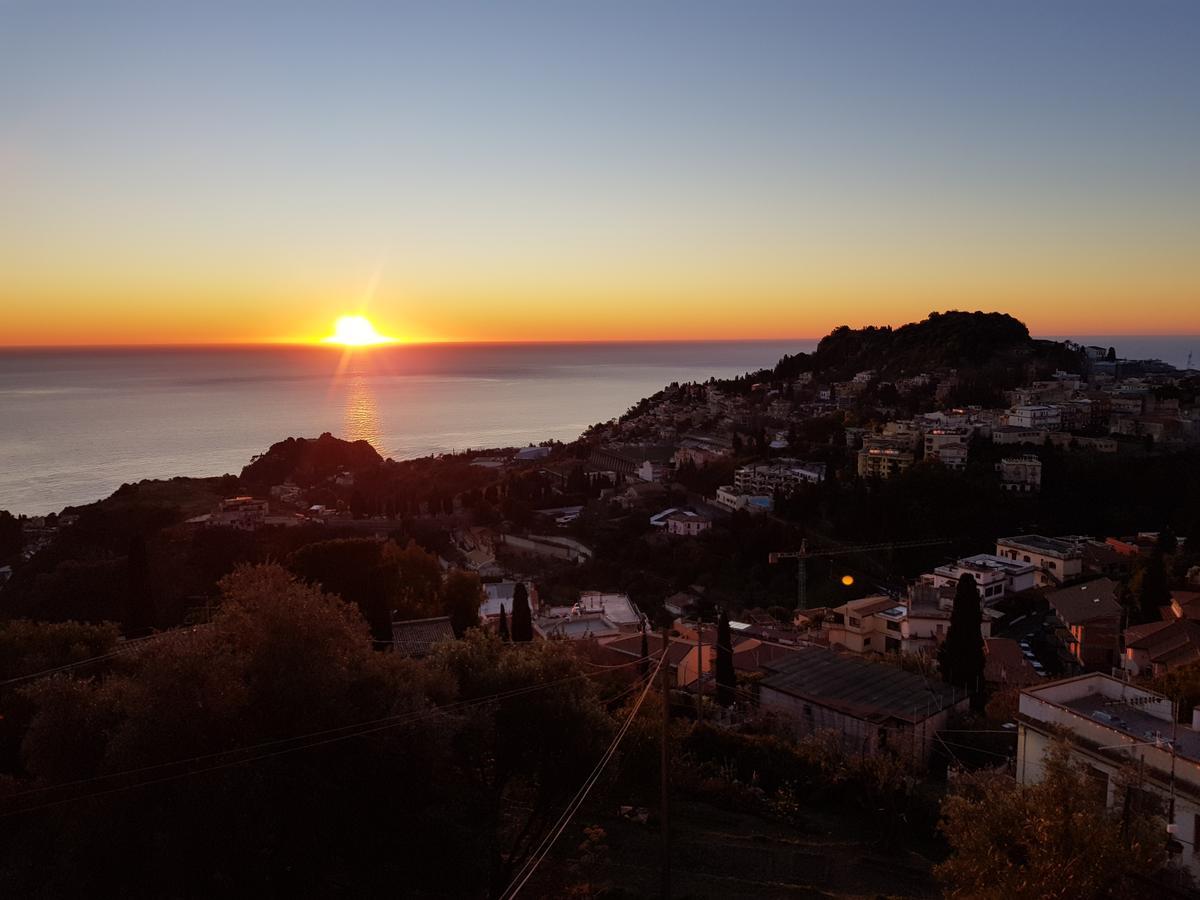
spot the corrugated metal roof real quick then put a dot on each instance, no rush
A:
(865, 690)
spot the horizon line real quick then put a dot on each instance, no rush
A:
(301, 344)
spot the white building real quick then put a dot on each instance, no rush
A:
(1040, 416)
(728, 497)
(1110, 725)
(687, 523)
(1020, 474)
(1056, 561)
(244, 513)
(994, 575)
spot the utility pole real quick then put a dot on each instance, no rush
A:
(665, 762)
(699, 671)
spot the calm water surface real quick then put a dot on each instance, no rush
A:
(76, 424)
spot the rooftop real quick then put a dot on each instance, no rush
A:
(865, 690)
(1039, 544)
(1082, 603)
(417, 637)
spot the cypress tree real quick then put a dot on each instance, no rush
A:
(726, 677)
(1153, 587)
(961, 654)
(503, 624)
(522, 617)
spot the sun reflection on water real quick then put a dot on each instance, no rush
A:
(360, 417)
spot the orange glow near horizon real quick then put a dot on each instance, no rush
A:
(356, 331)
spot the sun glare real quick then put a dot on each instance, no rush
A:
(356, 331)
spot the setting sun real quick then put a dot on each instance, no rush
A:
(356, 331)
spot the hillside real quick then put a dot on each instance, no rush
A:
(949, 340)
(308, 461)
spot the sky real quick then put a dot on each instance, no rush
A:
(176, 172)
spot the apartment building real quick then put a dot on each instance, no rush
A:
(880, 458)
(782, 475)
(1040, 416)
(995, 576)
(948, 446)
(1112, 728)
(1056, 561)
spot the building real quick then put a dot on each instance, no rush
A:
(1046, 418)
(418, 637)
(701, 450)
(995, 576)
(948, 446)
(883, 459)
(863, 625)
(1014, 435)
(1158, 647)
(501, 594)
(1020, 474)
(618, 608)
(244, 513)
(869, 706)
(1092, 616)
(782, 475)
(685, 522)
(1056, 561)
(1006, 665)
(728, 497)
(1111, 727)
(574, 625)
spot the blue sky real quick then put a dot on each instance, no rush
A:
(466, 160)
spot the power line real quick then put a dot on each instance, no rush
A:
(123, 647)
(560, 826)
(359, 729)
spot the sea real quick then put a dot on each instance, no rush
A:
(75, 424)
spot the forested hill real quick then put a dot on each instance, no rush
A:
(948, 340)
(308, 461)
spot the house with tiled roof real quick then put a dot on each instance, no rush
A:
(417, 637)
(1091, 616)
(1158, 647)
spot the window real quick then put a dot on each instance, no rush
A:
(866, 642)
(854, 623)
(1052, 564)
(1026, 558)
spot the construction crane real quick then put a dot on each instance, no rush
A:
(803, 555)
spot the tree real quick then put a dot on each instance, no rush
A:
(1111, 355)
(522, 617)
(961, 654)
(10, 535)
(461, 596)
(506, 751)
(1149, 585)
(381, 579)
(1168, 542)
(139, 617)
(726, 676)
(1056, 839)
(503, 629)
(280, 660)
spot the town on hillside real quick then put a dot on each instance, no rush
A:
(914, 577)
